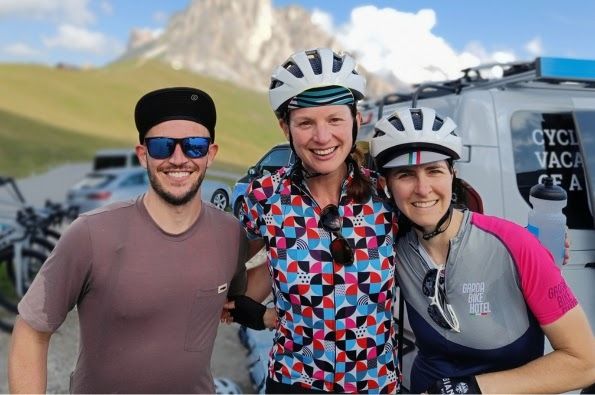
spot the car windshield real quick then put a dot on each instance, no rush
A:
(94, 180)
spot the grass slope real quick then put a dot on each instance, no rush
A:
(68, 114)
(29, 146)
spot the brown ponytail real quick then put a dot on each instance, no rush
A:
(360, 188)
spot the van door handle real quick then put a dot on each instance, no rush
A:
(590, 265)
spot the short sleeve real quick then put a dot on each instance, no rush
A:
(544, 289)
(239, 282)
(251, 210)
(546, 292)
(61, 280)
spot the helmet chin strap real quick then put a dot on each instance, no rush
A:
(307, 175)
(446, 217)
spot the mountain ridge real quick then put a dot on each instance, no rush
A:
(241, 42)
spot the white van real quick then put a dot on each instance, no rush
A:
(537, 119)
(110, 158)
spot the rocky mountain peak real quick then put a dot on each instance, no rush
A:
(239, 41)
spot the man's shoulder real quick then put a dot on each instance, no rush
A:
(110, 209)
(111, 215)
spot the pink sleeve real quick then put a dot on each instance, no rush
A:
(545, 290)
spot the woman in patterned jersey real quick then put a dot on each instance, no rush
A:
(328, 232)
(481, 292)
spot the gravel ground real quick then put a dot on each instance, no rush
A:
(229, 358)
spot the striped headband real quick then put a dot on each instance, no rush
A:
(415, 158)
(323, 96)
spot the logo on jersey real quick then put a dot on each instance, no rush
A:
(478, 305)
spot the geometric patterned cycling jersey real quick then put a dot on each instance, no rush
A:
(502, 285)
(336, 331)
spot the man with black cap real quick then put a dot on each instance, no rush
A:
(148, 277)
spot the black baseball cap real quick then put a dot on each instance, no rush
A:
(169, 104)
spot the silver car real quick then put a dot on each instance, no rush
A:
(101, 187)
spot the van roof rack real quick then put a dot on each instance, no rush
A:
(548, 70)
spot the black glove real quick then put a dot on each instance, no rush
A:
(455, 385)
(248, 312)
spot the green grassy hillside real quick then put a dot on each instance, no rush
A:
(27, 145)
(50, 116)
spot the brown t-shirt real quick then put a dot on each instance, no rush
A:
(148, 302)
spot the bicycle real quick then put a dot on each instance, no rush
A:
(27, 236)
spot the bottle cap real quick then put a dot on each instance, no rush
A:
(548, 191)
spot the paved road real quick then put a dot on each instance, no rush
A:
(229, 357)
(53, 184)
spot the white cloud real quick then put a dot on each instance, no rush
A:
(20, 49)
(534, 47)
(65, 11)
(503, 56)
(323, 19)
(403, 43)
(78, 39)
(106, 7)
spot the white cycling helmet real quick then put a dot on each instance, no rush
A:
(314, 68)
(413, 136)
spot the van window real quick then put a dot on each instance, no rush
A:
(585, 122)
(106, 162)
(111, 160)
(547, 144)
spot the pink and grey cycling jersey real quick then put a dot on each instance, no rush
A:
(502, 285)
(336, 331)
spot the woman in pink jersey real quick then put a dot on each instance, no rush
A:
(481, 292)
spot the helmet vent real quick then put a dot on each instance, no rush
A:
(294, 69)
(438, 122)
(275, 83)
(378, 133)
(315, 63)
(396, 122)
(417, 118)
(337, 63)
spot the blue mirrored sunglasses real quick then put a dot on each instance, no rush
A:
(164, 147)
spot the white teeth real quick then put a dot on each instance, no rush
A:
(178, 174)
(425, 204)
(323, 151)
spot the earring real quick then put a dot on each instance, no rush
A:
(454, 197)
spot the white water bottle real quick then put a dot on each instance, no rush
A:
(546, 220)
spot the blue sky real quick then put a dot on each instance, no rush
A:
(453, 33)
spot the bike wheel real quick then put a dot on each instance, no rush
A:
(7, 319)
(44, 246)
(32, 261)
(52, 235)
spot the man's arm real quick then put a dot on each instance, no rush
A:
(570, 366)
(27, 360)
(254, 246)
(250, 312)
(259, 282)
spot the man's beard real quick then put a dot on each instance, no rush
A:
(170, 198)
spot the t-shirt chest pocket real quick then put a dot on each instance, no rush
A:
(203, 319)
